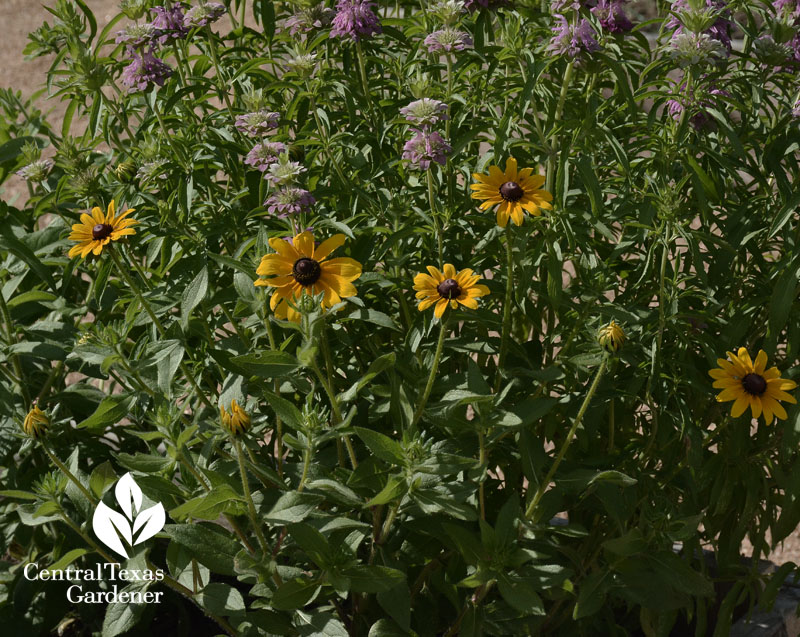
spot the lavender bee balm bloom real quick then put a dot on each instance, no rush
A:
(355, 20)
(426, 146)
(145, 69)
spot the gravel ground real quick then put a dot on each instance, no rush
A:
(23, 16)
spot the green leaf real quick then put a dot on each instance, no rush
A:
(372, 579)
(8, 241)
(110, 411)
(192, 296)
(292, 507)
(67, 559)
(210, 545)
(17, 494)
(208, 506)
(293, 594)
(285, 410)
(120, 618)
(376, 367)
(520, 595)
(221, 599)
(395, 488)
(386, 628)
(103, 477)
(592, 594)
(143, 462)
(267, 364)
(382, 446)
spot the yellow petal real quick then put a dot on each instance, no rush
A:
(441, 306)
(328, 246)
(739, 406)
(511, 169)
(343, 267)
(449, 271)
(304, 244)
(760, 363)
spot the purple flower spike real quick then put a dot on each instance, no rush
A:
(720, 30)
(611, 15)
(355, 20)
(145, 69)
(289, 201)
(137, 35)
(257, 124)
(169, 23)
(263, 155)
(571, 41)
(425, 112)
(426, 146)
(448, 40)
(315, 17)
(203, 14)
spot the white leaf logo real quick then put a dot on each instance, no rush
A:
(109, 525)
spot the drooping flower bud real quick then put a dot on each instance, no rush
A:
(237, 422)
(36, 423)
(611, 337)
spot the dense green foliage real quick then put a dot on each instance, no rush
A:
(356, 517)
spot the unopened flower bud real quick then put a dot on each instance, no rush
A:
(237, 421)
(611, 337)
(36, 423)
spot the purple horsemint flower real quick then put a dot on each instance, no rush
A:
(720, 30)
(426, 146)
(696, 103)
(169, 23)
(448, 40)
(787, 9)
(306, 20)
(257, 124)
(571, 41)
(563, 6)
(263, 155)
(289, 201)
(36, 171)
(355, 20)
(137, 35)
(477, 5)
(425, 112)
(203, 14)
(284, 171)
(145, 69)
(611, 15)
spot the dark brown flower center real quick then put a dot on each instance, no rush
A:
(449, 289)
(511, 191)
(101, 231)
(754, 384)
(306, 271)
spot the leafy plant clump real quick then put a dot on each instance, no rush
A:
(439, 318)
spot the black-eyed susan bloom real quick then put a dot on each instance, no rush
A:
(97, 230)
(752, 385)
(448, 287)
(236, 421)
(512, 191)
(300, 267)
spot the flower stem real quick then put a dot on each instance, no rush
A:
(567, 441)
(278, 423)
(501, 358)
(551, 160)
(481, 462)
(436, 227)
(337, 412)
(251, 507)
(69, 474)
(135, 288)
(611, 427)
(362, 69)
(437, 357)
(212, 47)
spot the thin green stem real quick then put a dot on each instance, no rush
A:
(10, 339)
(221, 82)
(551, 160)
(362, 69)
(337, 412)
(306, 463)
(482, 462)
(567, 441)
(251, 507)
(86, 538)
(434, 215)
(437, 357)
(69, 474)
(509, 298)
(278, 423)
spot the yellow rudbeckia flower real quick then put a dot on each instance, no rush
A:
(97, 230)
(512, 191)
(751, 384)
(448, 287)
